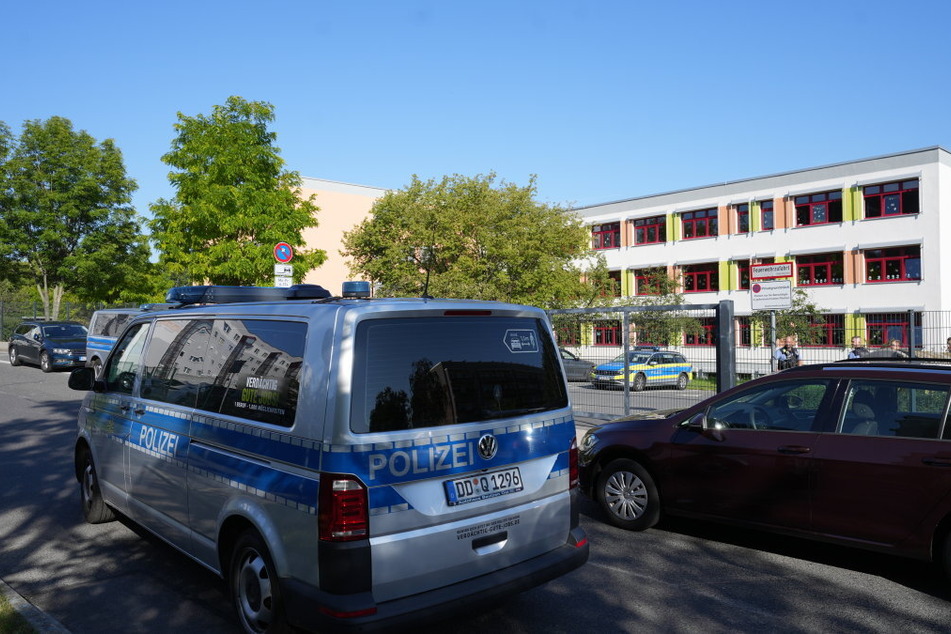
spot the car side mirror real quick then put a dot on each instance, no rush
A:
(698, 422)
(82, 379)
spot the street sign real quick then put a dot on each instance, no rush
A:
(283, 269)
(771, 295)
(283, 252)
(767, 271)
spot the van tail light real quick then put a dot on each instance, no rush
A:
(573, 464)
(343, 514)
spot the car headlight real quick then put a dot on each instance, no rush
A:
(589, 441)
(62, 351)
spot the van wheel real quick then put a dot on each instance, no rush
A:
(627, 493)
(254, 588)
(682, 381)
(14, 356)
(95, 510)
(45, 364)
(639, 382)
(96, 367)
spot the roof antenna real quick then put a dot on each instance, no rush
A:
(430, 258)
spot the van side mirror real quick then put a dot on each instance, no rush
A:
(82, 379)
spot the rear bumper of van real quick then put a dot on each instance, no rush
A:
(316, 610)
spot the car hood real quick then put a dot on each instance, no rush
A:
(617, 367)
(77, 343)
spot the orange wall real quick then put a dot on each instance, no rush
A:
(342, 207)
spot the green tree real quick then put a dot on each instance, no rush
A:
(65, 213)
(234, 201)
(466, 238)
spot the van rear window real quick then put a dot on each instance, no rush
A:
(430, 372)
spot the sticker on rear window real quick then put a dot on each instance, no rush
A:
(521, 341)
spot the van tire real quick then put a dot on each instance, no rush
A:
(627, 494)
(254, 587)
(96, 365)
(95, 509)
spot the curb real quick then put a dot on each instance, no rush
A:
(39, 620)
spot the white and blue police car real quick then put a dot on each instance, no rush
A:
(342, 462)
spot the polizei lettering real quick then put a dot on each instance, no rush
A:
(158, 440)
(421, 460)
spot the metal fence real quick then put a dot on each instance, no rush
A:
(724, 350)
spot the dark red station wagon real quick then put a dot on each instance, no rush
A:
(853, 452)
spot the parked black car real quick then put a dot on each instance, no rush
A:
(576, 368)
(49, 344)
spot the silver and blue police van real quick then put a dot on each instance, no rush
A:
(346, 463)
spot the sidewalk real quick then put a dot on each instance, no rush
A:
(39, 620)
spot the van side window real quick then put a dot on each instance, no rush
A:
(124, 363)
(175, 366)
(253, 367)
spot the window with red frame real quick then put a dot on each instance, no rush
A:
(881, 328)
(568, 334)
(613, 288)
(823, 269)
(827, 331)
(704, 335)
(701, 278)
(644, 280)
(891, 199)
(743, 218)
(899, 264)
(699, 224)
(744, 332)
(743, 271)
(607, 333)
(606, 236)
(650, 230)
(766, 215)
(818, 209)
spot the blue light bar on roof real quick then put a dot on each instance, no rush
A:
(233, 294)
(359, 290)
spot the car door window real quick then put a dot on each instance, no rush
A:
(776, 406)
(124, 362)
(894, 408)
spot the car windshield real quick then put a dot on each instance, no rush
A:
(60, 331)
(636, 358)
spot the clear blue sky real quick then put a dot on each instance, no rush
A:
(601, 100)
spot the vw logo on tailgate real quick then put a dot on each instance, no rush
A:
(488, 447)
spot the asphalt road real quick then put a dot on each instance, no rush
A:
(679, 577)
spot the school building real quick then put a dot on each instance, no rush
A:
(862, 237)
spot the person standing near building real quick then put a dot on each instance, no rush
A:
(858, 350)
(787, 356)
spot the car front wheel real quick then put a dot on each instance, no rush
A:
(14, 356)
(254, 587)
(639, 382)
(46, 364)
(627, 493)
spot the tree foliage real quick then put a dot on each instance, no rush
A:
(234, 201)
(466, 237)
(65, 213)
